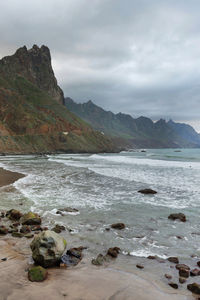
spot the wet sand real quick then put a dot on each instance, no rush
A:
(83, 282)
(8, 177)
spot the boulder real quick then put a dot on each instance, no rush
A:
(118, 226)
(3, 230)
(113, 252)
(37, 274)
(173, 259)
(198, 263)
(67, 209)
(184, 273)
(58, 228)
(47, 248)
(195, 272)
(99, 261)
(178, 216)
(72, 257)
(140, 266)
(14, 214)
(194, 288)
(147, 191)
(182, 280)
(182, 266)
(173, 285)
(30, 218)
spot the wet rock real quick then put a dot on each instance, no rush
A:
(194, 288)
(14, 214)
(182, 280)
(68, 209)
(151, 257)
(29, 235)
(184, 273)
(107, 229)
(4, 259)
(99, 261)
(182, 266)
(47, 248)
(195, 272)
(179, 237)
(173, 259)
(25, 229)
(118, 226)
(72, 257)
(3, 230)
(140, 266)
(168, 276)
(17, 234)
(31, 219)
(198, 263)
(36, 228)
(37, 274)
(58, 228)
(113, 252)
(178, 216)
(147, 191)
(173, 285)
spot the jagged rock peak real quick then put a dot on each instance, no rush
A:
(34, 65)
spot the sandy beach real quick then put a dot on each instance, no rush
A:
(8, 177)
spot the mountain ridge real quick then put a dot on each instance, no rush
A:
(140, 132)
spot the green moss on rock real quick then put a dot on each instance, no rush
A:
(37, 274)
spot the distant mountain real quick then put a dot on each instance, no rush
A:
(140, 133)
(32, 115)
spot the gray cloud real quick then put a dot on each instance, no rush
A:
(135, 56)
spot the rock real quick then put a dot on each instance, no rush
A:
(173, 259)
(118, 226)
(198, 263)
(17, 234)
(173, 285)
(36, 228)
(37, 274)
(29, 235)
(147, 191)
(68, 209)
(3, 230)
(178, 216)
(182, 266)
(113, 252)
(72, 257)
(140, 266)
(182, 280)
(11, 230)
(16, 224)
(47, 248)
(195, 272)
(107, 229)
(58, 228)
(4, 258)
(184, 273)
(25, 229)
(31, 219)
(168, 276)
(14, 214)
(99, 261)
(151, 257)
(194, 288)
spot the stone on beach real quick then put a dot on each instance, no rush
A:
(118, 226)
(14, 214)
(31, 218)
(147, 191)
(182, 266)
(99, 260)
(3, 230)
(173, 259)
(182, 280)
(173, 285)
(184, 273)
(113, 252)
(177, 216)
(72, 257)
(139, 266)
(195, 272)
(47, 248)
(58, 228)
(37, 274)
(194, 288)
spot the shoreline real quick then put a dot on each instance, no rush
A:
(85, 281)
(8, 177)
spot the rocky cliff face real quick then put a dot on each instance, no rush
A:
(32, 116)
(35, 66)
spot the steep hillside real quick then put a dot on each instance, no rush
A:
(32, 116)
(141, 132)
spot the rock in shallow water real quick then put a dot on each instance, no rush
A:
(173, 259)
(194, 288)
(118, 226)
(147, 191)
(47, 248)
(37, 274)
(113, 252)
(178, 216)
(31, 219)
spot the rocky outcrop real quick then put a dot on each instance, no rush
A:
(47, 248)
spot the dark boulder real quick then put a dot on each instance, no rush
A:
(195, 272)
(173, 259)
(182, 266)
(72, 257)
(147, 191)
(58, 228)
(118, 226)
(184, 273)
(139, 266)
(14, 214)
(113, 252)
(3, 230)
(178, 216)
(31, 218)
(194, 288)
(173, 285)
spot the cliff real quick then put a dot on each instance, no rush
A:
(32, 116)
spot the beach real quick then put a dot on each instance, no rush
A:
(91, 185)
(8, 177)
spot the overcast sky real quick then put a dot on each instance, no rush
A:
(140, 57)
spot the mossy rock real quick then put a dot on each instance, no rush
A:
(17, 234)
(31, 218)
(37, 274)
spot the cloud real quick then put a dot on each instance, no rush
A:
(135, 56)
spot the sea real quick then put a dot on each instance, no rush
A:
(104, 190)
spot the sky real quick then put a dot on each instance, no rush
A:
(140, 57)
